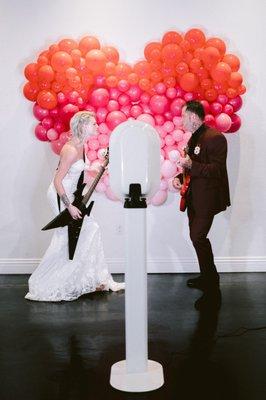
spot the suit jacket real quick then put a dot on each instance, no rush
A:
(209, 188)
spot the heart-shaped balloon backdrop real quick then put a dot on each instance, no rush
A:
(84, 75)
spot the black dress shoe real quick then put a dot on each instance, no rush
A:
(197, 283)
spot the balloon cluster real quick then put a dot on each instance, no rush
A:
(84, 75)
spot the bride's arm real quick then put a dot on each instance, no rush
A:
(67, 158)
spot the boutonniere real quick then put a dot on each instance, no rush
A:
(197, 149)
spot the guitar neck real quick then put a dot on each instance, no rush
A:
(94, 183)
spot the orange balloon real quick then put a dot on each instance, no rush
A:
(189, 82)
(152, 51)
(142, 69)
(233, 61)
(60, 77)
(241, 90)
(206, 83)
(88, 43)
(96, 60)
(30, 91)
(67, 45)
(194, 65)
(110, 68)
(54, 48)
(182, 68)
(43, 85)
(171, 37)
(198, 53)
(122, 70)
(87, 81)
(188, 57)
(47, 99)
(71, 72)
(60, 61)
(156, 76)
(231, 93)
(111, 81)
(221, 72)
(144, 84)
(169, 81)
(235, 80)
(111, 54)
(172, 53)
(167, 69)
(185, 45)
(220, 87)
(31, 72)
(42, 60)
(156, 65)
(46, 73)
(210, 95)
(210, 57)
(133, 78)
(218, 44)
(56, 87)
(196, 38)
(202, 73)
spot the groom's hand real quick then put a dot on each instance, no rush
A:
(176, 183)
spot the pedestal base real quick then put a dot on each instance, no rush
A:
(152, 379)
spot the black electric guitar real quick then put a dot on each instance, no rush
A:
(80, 201)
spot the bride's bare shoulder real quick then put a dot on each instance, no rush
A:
(68, 152)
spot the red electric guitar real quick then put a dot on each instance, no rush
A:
(184, 188)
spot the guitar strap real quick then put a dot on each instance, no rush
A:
(80, 181)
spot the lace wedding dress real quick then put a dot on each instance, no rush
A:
(57, 278)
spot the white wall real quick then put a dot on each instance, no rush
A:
(27, 165)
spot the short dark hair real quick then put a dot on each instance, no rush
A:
(196, 107)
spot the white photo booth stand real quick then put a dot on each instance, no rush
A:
(134, 177)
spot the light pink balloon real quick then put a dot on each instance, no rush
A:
(160, 88)
(223, 122)
(93, 143)
(92, 155)
(159, 198)
(146, 118)
(168, 126)
(52, 134)
(174, 155)
(169, 140)
(103, 140)
(168, 169)
(178, 135)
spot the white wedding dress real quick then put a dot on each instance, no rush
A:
(57, 278)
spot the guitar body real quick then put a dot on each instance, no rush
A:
(183, 193)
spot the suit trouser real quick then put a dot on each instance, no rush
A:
(199, 227)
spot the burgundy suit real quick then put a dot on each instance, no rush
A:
(208, 193)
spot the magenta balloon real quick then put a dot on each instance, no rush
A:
(123, 99)
(61, 98)
(236, 102)
(206, 106)
(113, 105)
(160, 88)
(54, 113)
(99, 97)
(123, 85)
(135, 111)
(216, 108)
(209, 120)
(48, 122)
(158, 104)
(229, 109)
(222, 99)
(59, 126)
(101, 114)
(146, 118)
(134, 93)
(114, 93)
(236, 123)
(40, 133)
(115, 118)
(39, 112)
(56, 146)
(73, 96)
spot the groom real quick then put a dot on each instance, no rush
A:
(208, 192)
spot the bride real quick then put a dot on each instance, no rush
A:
(57, 278)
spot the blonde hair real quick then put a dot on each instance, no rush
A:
(78, 121)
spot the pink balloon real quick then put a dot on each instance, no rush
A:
(178, 121)
(115, 118)
(103, 140)
(61, 98)
(92, 155)
(158, 104)
(223, 122)
(101, 114)
(236, 123)
(114, 93)
(123, 99)
(93, 143)
(169, 140)
(73, 96)
(126, 110)
(40, 133)
(54, 113)
(176, 107)
(236, 102)
(39, 112)
(99, 97)
(189, 96)
(168, 169)
(178, 135)
(209, 120)
(113, 105)
(135, 111)
(171, 93)
(159, 119)
(48, 122)
(174, 155)
(146, 118)
(103, 128)
(159, 198)
(168, 126)
(123, 85)
(134, 93)
(160, 88)
(145, 98)
(52, 134)
(56, 146)
(100, 80)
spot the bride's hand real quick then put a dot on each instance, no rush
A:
(74, 212)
